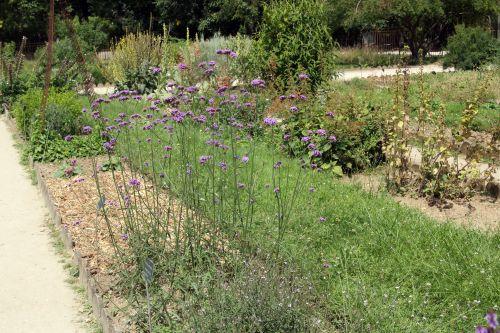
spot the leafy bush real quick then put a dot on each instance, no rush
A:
(48, 147)
(471, 47)
(133, 56)
(63, 113)
(295, 37)
(344, 135)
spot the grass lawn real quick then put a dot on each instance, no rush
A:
(451, 89)
(377, 266)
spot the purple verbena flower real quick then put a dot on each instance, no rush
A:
(258, 83)
(204, 159)
(134, 182)
(303, 76)
(68, 138)
(270, 121)
(182, 66)
(316, 153)
(305, 139)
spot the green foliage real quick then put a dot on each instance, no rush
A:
(471, 47)
(113, 164)
(93, 32)
(68, 169)
(421, 22)
(260, 298)
(448, 161)
(294, 37)
(354, 133)
(63, 113)
(49, 147)
(13, 81)
(133, 57)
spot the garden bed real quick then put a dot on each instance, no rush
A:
(75, 200)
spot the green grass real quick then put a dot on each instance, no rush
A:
(451, 89)
(377, 266)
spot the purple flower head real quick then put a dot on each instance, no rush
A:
(303, 97)
(316, 153)
(204, 159)
(303, 76)
(282, 98)
(212, 63)
(124, 237)
(155, 70)
(277, 165)
(287, 137)
(233, 54)
(321, 132)
(322, 219)
(191, 89)
(305, 139)
(68, 138)
(270, 121)
(241, 186)
(294, 109)
(221, 89)
(258, 83)
(311, 146)
(223, 166)
(491, 319)
(276, 190)
(244, 159)
(182, 66)
(330, 114)
(481, 329)
(109, 145)
(134, 182)
(332, 138)
(84, 110)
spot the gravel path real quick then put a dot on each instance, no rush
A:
(34, 296)
(350, 74)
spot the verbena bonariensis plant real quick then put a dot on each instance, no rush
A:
(198, 184)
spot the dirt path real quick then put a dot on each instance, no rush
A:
(350, 74)
(34, 296)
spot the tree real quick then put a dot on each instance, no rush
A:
(23, 18)
(421, 22)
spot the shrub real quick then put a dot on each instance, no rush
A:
(133, 56)
(63, 114)
(295, 37)
(344, 135)
(471, 47)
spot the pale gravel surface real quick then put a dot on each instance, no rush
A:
(350, 74)
(34, 296)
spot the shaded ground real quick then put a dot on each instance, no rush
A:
(33, 294)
